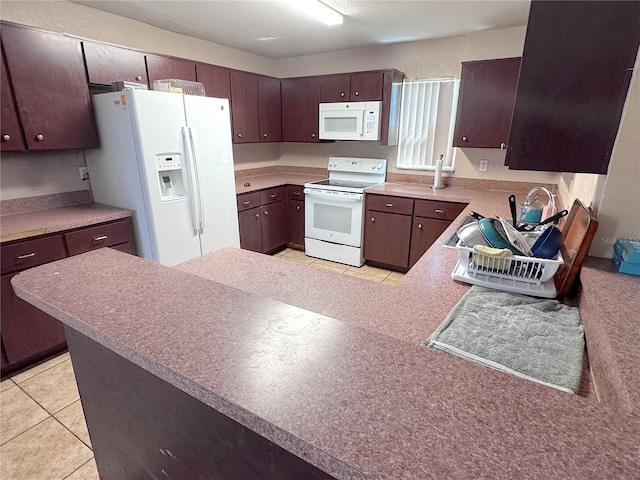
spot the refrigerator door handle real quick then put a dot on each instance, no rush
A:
(192, 179)
(192, 139)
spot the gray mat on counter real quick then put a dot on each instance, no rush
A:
(538, 339)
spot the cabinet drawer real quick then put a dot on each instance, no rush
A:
(30, 253)
(439, 210)
(272, 195)
(384, 203)
(105, 235)
(295, 192)
(248, 200)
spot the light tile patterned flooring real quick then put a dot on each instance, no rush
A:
(43, 435)
(366, 272)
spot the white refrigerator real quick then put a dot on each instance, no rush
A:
(168, 157)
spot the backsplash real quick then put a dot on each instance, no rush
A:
(44, 202)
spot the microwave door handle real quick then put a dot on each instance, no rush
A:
(362, 115)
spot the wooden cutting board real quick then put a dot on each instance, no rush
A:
(578, 232)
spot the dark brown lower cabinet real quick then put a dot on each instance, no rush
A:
(296, 221)
(263, 229)
(387, 237)
(249, 223)
(424, 232)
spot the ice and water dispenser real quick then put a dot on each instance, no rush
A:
(169, 166)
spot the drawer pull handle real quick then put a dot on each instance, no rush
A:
(388, 204)
(420, 226)
(438, 211)
(273, 195)
(28, 255)
(246, 203)
(100, 238)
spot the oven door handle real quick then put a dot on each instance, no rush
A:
(339, 198)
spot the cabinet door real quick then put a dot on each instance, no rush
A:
(160, 68)
(485, 103)
(577, 63)
(296, 221)
(105, 235)
(270, 107)
(335, 88)
(274, 226)
(106, 64)
(50, 86)
(300, 109)
(244, 107)
(216, 80)
(11, 138)
(366, 87)
(386, 238)
(424, 232)
(249, 222)
(26, 330)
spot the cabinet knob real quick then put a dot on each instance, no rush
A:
(465, 139)
(138, 78)
(373, 219)
(420, 226)
(39, 137)
(265, 212)
(357, 93)
(296, 193)
(6, 137)
(503, 146)
(264, 135)
(273, 195)
(257, 215)
(342, 94)
(313, 135)
(239, 135)
(297, 208)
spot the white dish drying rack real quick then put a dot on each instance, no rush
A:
(518, 274)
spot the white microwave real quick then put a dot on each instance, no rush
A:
(350, 121)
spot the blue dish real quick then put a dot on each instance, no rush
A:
(548, 244)
(490, 230)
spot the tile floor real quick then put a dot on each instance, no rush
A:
(366, 272)
(42, 429)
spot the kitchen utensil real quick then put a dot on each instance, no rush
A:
(548, 244)
(515, 237)
(552, 219)
(492, 231)
(471, 236)
(512, 207)
(534, 203)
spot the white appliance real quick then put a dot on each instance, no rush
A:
(334, 209)
(169, 158)
(350, 120)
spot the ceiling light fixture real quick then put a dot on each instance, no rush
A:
(319, 11)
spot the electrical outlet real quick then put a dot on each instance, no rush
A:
(84, 173)
(484, 164)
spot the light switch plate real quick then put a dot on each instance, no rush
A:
(84, 173)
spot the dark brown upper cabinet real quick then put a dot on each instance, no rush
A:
(351, 87)
(244, 107)
(335, 88)
(485, 103)
(49, 82)
(270, 109)
(216, 80)
(108, 63)
(576, 67)
(300, 98)
(11, 139)
(160, 67)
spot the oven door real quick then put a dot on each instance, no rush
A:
(334, 216)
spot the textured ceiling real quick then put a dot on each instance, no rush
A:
(281, 29)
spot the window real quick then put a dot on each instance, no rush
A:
(427, 118)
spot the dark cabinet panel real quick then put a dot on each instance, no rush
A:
(366, 87)
(274, 226)
(246, 201)
(300, 109)
(107, 63)
(387, 237)
(249, 223)
(105, 235)
(335, 88)
(485, 103)
(216, 80)
(424, 232)
(11, 138)
(26, 330)
(244, 107)
(270, 108)
(160, 68)
(296, 221)
(271, 195)
(24, 254)
(576, 67)
(49, 82)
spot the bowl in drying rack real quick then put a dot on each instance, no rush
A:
(493, 232)
(548, 244)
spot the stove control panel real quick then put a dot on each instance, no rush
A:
(346, 164)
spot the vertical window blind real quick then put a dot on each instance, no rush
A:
(427, 118)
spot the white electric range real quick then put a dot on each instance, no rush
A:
(334, 209)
